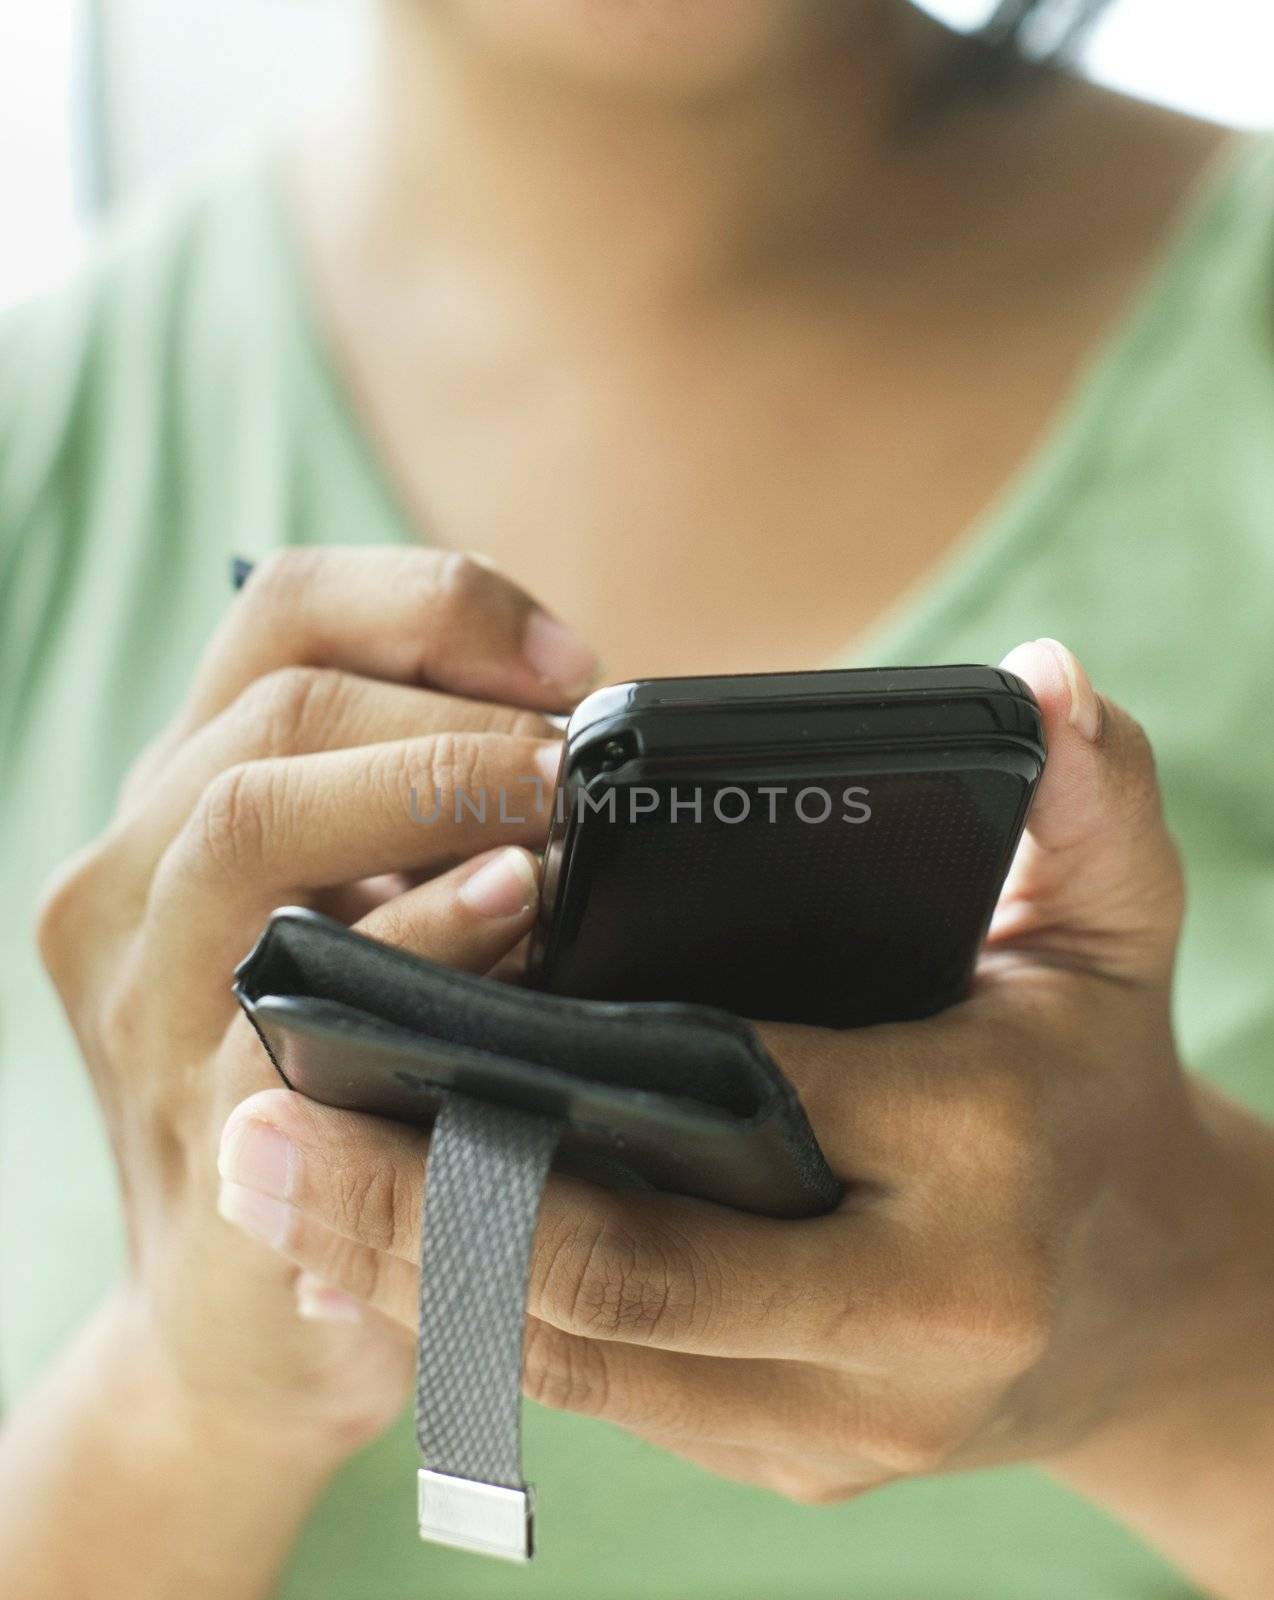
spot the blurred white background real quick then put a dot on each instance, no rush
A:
(99, 98)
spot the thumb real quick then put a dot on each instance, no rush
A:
(1097, 881)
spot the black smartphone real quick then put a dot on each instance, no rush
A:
(819, 847)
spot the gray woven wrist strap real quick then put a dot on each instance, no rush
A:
(484, 1177)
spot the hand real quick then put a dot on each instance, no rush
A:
(334, 685)
(1041, 1211)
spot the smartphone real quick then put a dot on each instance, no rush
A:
(818, 847)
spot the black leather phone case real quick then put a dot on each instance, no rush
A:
(674, 1097)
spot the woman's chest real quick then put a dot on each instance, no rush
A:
(713, 525)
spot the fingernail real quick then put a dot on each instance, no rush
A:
(557, 654)
(1085, 707)
(256, 1154)
(504, 886)
(317, 1301)
(548, 758)
(261, 1215)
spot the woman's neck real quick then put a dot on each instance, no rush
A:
(618, 341)
(655, 192)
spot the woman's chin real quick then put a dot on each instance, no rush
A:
(676, 46)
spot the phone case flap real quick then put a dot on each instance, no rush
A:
(677, 1097)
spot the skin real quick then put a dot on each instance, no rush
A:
(658, 202)
(728, 338)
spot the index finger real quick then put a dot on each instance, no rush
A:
(431, 618)
(650, 1269)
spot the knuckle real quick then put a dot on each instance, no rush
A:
(522, 724)
(607, 1280)
(86, 909)
(563, 1373)
(281, 709)
(901, 1440)
(373, 1203)
(344, 1263)
(456, 593)
(63, 905)
(367, 1275)
(997, 1319)
(614, 1292)
(569, 1373)
(461, 581)
(904, 1455)
(807, 1487)
(455, 764)
(232, 821)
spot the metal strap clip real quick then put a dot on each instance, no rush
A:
(485, 1518)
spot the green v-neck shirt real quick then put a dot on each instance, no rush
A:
(175, 405)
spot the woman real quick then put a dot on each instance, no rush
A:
(715, 328)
